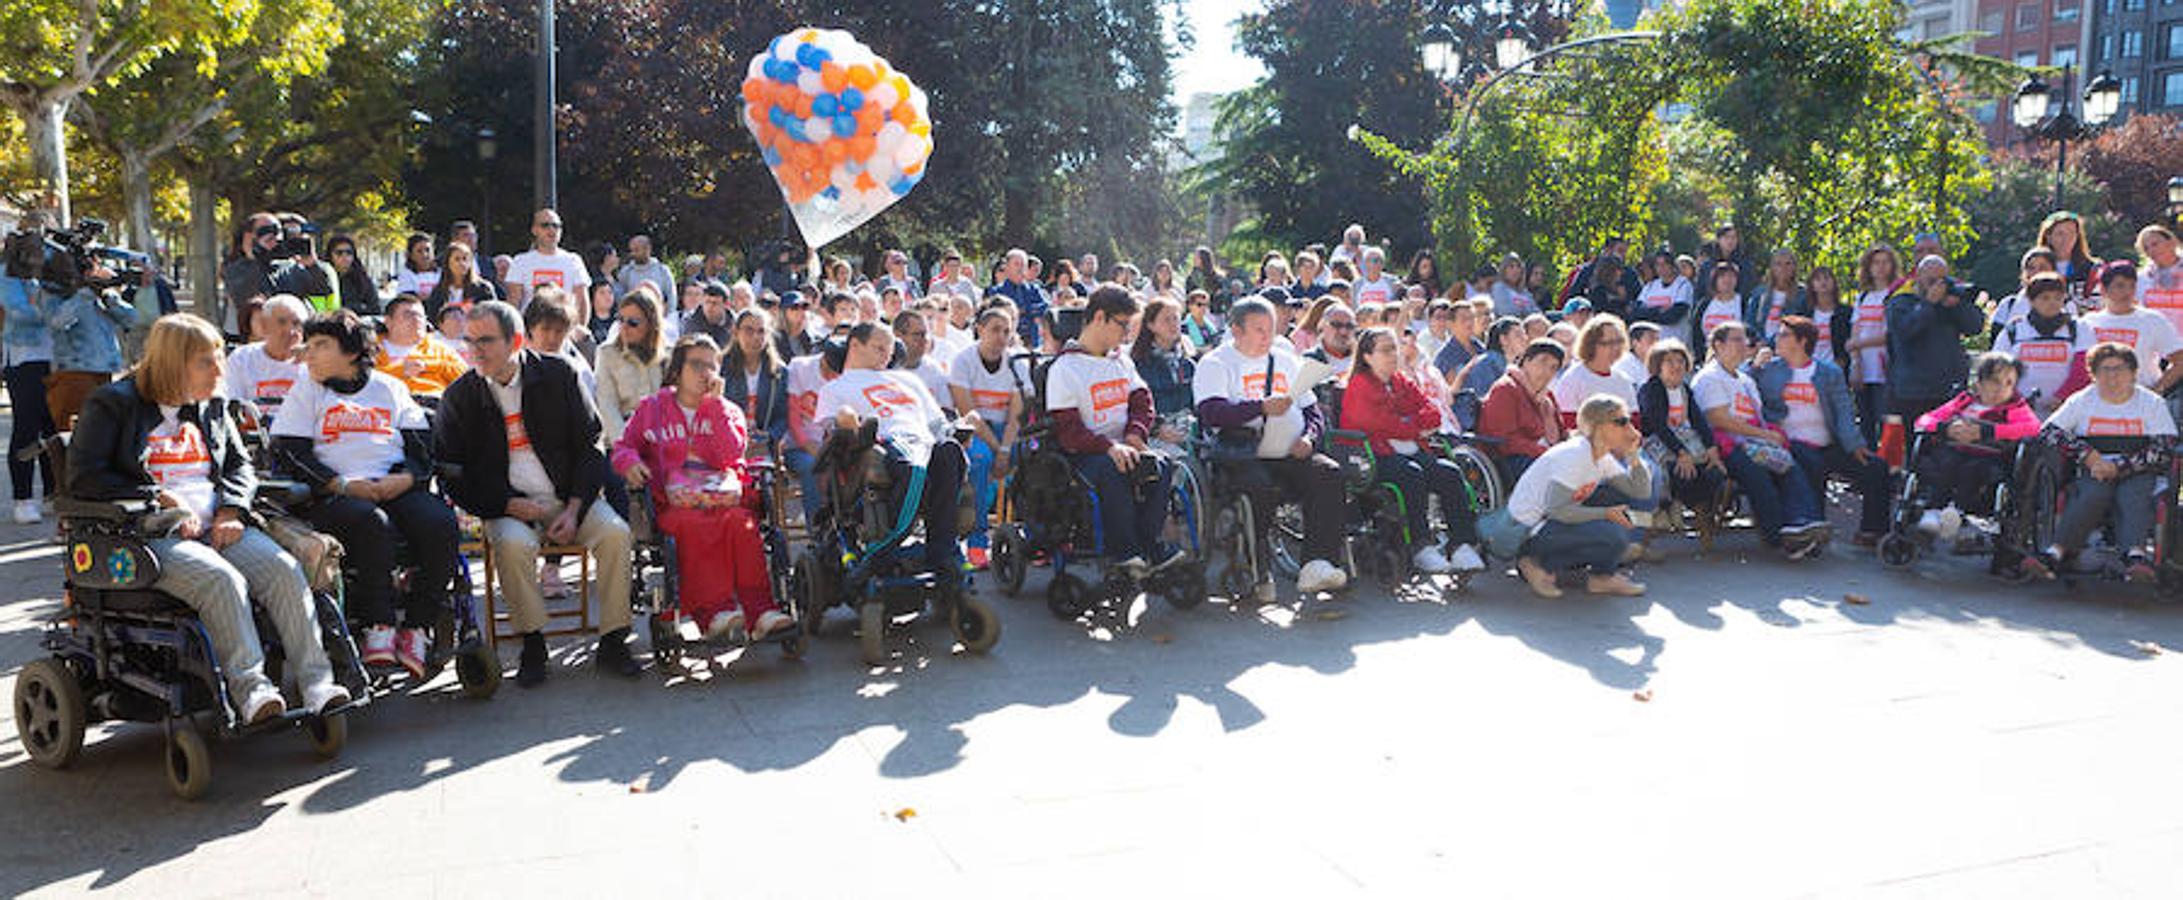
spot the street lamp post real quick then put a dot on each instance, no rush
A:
(2175, 197)
(488, 147)
(2047, 112)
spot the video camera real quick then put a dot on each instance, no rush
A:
(61, 259)
(296, 242)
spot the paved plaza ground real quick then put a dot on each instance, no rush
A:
(1744, 731)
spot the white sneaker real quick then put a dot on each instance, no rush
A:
(324, 695)
(1951, 523)
(1930, 522)
(26, 512)
(1431, 561)
(1319, 575)
(264, 703)
(724, 624)
(1466, 559)
(1135, 567)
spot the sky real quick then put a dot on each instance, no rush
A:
(1214, 66)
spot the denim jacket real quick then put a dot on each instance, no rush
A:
(1834, 399)
(25, 337)
(87, 331)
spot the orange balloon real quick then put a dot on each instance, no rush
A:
(914, 168)
(863, 77)
(835, 152)
(802, 107)
(869, 118)
(832, 77)
(865, 182)
(861, 147)
(753, 90)
(904, 114)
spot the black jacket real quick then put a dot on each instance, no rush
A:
(558, 416)
(245, 277)
(106, 454)
(1652, 416)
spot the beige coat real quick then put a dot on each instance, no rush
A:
(624, 382)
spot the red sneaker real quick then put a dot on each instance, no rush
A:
(979, 557)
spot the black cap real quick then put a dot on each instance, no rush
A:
(794, 299)
(1275, 294)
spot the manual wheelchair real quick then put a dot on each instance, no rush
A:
(658, 573)
(1049, 508)
(867, 552)
(123, 651)
(2024, 502)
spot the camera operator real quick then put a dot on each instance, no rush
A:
(87, 325)
(29, 360)
(268, 262)
(1926, 324)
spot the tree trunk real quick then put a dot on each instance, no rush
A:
(44, 124)
(136, 194)
(204, 249)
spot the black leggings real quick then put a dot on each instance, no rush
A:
(1420, 477)
(32, 423)
(943, 482)
(367, 533)
(1315, 482)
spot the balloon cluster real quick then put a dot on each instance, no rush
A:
(844, 133)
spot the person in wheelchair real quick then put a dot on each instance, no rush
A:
(1386, 404)
(354, 435)
(1103, 417)
(155, 436)
(1264, 436)
(264, 372)
(686, 443)
(1965, 457)
(910, 423)
(2121, 436)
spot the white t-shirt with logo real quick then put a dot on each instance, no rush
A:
(1228, 374)
(2046, 360)
(1871, 322)
(1097, 387)
(990, 389)
(254, 375)
(897, 399)
(1806, 422)
(1577, 384)
(2160, 289)
(525, 473)
(2086, 414)
(1570, 464)
(1375, 290)
(1823, 348)
(421, 284)
(357, 435)
(1716, 387)
(934, 375)
(1662, 295)
(1717, 311)
(2146, 331)
(804, 381)
(561, 268)
(178, 458)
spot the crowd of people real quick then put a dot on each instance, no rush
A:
(1614, 402)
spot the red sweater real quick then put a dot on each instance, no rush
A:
(1525, 423)
(1386, 410)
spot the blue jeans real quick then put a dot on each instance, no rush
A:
(984, 489)
(1776, 500)
(1870, 476)
(1597, 545)
(1131, 504)
(803, 463)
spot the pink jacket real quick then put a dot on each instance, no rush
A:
(2011, 421)
(661, 437)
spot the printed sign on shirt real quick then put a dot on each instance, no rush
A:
(2108, 426)
(518, 438)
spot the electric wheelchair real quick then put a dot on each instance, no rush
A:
(658, 573)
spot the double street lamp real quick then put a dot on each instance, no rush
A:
(1442, 53)
(2047, 112)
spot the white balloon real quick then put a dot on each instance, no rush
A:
(818, 128)
(808, 82)
(917, 101)
(890, 138)
(883, 95)
(884, 170)
(842, 178)
(758, 66)
(911, 152)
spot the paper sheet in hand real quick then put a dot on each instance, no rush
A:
(1281, 432)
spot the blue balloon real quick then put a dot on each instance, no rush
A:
(845, 125)
(831, 193)
(812, 55)
(901, 186)
(825, 105)
(852, 99)
(782, 72)
(773, 157)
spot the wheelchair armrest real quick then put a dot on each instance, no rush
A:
(103, 510)
(283, 492)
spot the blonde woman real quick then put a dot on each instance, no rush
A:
(629, 364)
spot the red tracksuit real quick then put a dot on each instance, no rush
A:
(722, 555)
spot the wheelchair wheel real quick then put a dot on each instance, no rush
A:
(189, 761)
(666, 642)
(328, 734)
(1187, 509)
(812, 593)
(2039, 506)
(977, 626)
(1480, 476)
(1067, 597)
(1011, 562)
(1898, 550)
(670, 576)
(1286, 554)
(1233, 546)
(478, 668)
(50, 715)
(872, 633)
(1188, 588)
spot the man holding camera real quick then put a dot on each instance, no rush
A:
(1926, 325)
(267, 263)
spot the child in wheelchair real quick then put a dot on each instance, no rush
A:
(363, 446)
(154, 438)
(913, 427)
(2120, 438)
(1967, 445)
(686, 444)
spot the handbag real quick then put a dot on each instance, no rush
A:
(1241, 442)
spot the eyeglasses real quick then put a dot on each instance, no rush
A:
(553, 225)
(344, 252)
(480, 341)
(1342, 326)
(633, 322)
